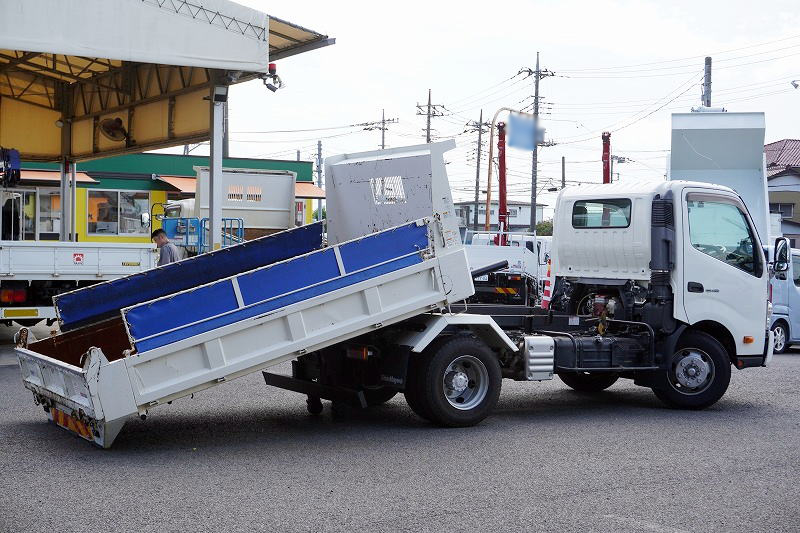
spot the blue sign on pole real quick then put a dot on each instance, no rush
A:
(521, 132)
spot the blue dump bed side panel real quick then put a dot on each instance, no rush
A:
(104, 300)
(180, 316)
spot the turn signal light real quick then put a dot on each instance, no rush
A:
(359, 352)
(748, 339)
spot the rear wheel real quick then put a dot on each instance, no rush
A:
(699, 373)
(588, 382)
(456, 383)
(780, 337)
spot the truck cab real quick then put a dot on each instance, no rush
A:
(680, 259)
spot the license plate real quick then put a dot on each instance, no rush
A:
(71, 424)
(485, 277)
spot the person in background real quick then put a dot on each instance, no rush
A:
(169, 253)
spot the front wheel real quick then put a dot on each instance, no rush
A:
(781, 338)
(699, 373)
(586, 382)
(456, 383)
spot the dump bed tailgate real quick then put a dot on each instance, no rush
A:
(76, 398)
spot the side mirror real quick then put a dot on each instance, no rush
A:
(145, 219)
(781, 262)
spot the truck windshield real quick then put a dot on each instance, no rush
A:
(720, 229)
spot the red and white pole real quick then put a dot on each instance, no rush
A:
(502, 212)
(606, 157)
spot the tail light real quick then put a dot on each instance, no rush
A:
(8, 296)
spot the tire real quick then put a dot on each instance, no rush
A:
(710, 363)
(456, 383)
(378, 396)
(586, 382)
(781, 334)
(414, 385)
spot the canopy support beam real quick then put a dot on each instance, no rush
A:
(215, 169)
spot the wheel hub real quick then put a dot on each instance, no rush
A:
(458, 381)
(465, 382)
(780, 338)
(692, 371)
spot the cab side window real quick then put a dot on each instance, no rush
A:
(720, 229)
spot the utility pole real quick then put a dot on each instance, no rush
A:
(428, 127)
(563, 171)
(538, 75)
(319, 178)
(707, 84)
(433, 110)
(298, 155)
(383, 128)
(380, 125)
(606, 159)
(480, 125)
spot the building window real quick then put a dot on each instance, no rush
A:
(49, 215)
(786, 210)
(117, 212)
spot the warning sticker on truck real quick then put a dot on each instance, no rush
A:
(77, 259)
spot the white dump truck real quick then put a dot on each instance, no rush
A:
(368, 314)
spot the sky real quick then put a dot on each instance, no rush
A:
(619, 66)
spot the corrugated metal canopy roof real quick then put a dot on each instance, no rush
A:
(150, 64)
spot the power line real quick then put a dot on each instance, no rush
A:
(683, 58)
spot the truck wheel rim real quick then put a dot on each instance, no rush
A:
(465, 382)
(780, 338)
(692, 371)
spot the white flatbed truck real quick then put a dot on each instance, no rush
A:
(32, 272)
(367, 315)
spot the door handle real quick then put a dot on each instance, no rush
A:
(693, 286)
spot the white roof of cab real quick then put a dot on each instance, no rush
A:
(634, 188)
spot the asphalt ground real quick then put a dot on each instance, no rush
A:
(244, 457)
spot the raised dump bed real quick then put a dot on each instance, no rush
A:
(137, 342)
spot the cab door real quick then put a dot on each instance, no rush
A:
(793, 292)
(725, 278)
